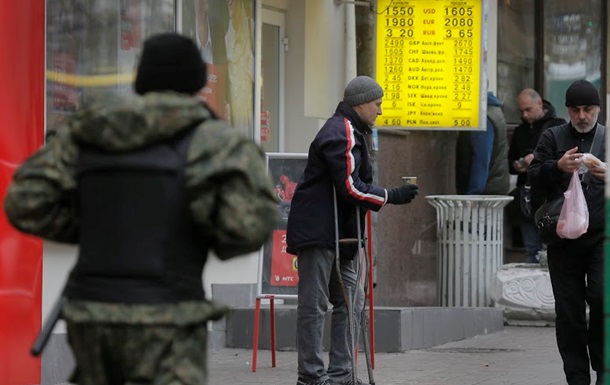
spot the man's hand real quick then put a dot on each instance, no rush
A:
(598, 172)
(403, 194)
(570, 161)
(522, 164)
(519, 166)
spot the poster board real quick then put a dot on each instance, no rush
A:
(431, 63)
(277, 271)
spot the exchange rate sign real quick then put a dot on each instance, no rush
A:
(429, 63)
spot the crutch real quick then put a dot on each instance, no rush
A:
(351, 302)
(346, 295)
(364, 320)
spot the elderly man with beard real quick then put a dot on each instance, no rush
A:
(576, 265)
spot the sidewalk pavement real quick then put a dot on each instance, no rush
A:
(514, 356)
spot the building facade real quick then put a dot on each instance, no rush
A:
(277, 72)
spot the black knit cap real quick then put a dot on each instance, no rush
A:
(170, 62)
(582, 93)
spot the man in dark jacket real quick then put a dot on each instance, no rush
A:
(537, 115)
(146, 185)
(481, 155)
(338, 172)
(576, 265)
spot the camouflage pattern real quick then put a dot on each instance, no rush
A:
(40, 199)
(183, 314)
(232, 197)
(130, 355)
(117, 343)
(232, 203)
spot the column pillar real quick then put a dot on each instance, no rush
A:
(22, 47)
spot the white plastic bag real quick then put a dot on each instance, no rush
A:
(589, 162)
(574, 217)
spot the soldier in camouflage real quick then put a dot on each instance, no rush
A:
(146, 185)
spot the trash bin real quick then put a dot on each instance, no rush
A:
(470, 246)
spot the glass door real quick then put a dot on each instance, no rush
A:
(573, 47)
(273, 47)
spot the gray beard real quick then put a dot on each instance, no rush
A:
(585, 130)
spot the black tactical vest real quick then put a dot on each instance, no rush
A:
(138, 242)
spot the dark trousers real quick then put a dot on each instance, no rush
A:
(576, 269)
(318, 285)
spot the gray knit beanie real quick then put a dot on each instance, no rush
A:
(362, 89)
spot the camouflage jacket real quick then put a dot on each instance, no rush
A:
(232, 199)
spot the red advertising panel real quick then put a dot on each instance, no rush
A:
(283, 265)
(278, 270)
(22, 66)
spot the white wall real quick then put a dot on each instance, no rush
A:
(315, 68)
(300, 129)
(57, 261)
(324, 53)
(243, 269)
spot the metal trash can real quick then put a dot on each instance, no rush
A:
(470, 246)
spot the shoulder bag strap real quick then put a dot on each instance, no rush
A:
(595, 146)
(597, 139)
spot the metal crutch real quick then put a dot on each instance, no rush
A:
(364, 320)
(346, 294)
(349, 302)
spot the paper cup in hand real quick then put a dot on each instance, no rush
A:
(409, 180)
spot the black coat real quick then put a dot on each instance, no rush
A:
(339, 157)
(548, 181)
(526, 136)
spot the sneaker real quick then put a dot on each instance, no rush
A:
(349, 382)
(302, 381)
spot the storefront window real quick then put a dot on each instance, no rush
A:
(572, 46)
(224, 29)
(549, 49)
(516, 53)
(94, 45)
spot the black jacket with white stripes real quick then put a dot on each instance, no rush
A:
(339, 157)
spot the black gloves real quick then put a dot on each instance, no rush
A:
(403, 194)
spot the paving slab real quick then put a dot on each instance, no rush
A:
(514, 356)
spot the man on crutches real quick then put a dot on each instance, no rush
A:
(321, 232)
